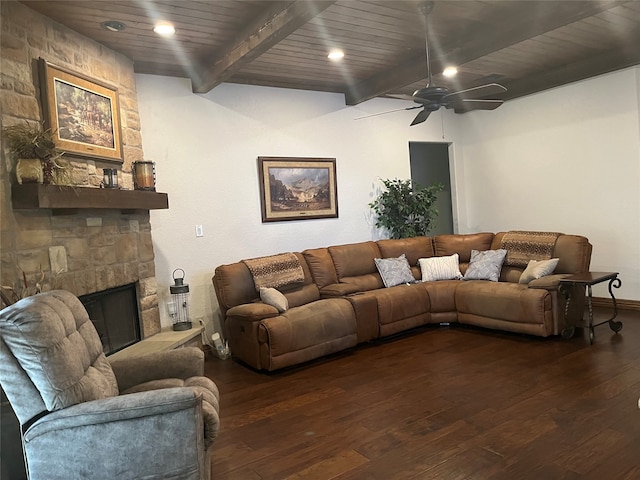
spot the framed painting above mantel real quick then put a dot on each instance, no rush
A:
(294, 188)
(84, 114)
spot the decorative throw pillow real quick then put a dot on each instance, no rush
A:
(538, 269)
(440, 268)
(394, 271)
(273, 297)
(485, 265)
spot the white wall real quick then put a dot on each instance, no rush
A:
(206, 148)
(563, 160)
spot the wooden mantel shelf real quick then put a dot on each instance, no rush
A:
(33, 195)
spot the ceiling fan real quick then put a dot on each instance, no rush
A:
(432, 97)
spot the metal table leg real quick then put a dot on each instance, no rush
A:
(613, 325)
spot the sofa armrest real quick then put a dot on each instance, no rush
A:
(143, 435)
(549, 282)
(253, 311)
(180, 363)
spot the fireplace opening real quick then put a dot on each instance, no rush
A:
(114, 312)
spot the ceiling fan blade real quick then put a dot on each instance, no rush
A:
(479, 91)
(421, 117)
(389, 111)
(467, 104)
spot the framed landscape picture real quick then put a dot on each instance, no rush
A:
(297, 188)
(83, 113)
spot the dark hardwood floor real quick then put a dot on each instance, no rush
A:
(441, 403)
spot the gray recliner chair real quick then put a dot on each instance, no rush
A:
(82, 416)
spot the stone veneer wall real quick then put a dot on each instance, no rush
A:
(93, 249)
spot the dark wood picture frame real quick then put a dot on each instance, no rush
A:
(83, 113)
(293, 188)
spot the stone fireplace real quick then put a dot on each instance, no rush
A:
(96, 246)
(84, 253)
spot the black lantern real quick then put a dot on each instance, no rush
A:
(109, 178)
(179, 305)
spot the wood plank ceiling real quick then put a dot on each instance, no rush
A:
(527, 46)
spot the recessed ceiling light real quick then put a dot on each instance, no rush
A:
(450, 72)
(113, 26)
(335, 55)
(165, 29)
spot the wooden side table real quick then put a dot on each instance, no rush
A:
(587, 280)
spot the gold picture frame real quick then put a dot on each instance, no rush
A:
(83, 113)
(293, 188)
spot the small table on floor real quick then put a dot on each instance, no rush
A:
(587, 280)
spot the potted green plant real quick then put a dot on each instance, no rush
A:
(405, 208)
(35, 152)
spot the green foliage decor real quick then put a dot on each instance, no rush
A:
(405, 208)
(32, 140)
(28, 140)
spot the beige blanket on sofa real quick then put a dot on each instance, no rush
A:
(522, 246)
(275, 271)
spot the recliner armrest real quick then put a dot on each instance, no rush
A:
(253, 311)
(549, 282)
(180, 363)
(128, 436)
(116, 409)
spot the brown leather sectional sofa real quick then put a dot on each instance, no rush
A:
(343, 302)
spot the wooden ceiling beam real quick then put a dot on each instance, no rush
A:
(623, 56)
(517, 28)
(274, 24)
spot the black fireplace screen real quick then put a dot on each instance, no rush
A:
(114, 313)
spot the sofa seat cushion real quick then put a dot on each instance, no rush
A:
(503, 301)
(442, 295)
(307, 332)
(402, 307)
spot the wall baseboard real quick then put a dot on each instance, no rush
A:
(633, 305)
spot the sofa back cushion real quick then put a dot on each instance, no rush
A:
(302, 295)
(413, 248)
(321, 266)
(574, 252)
(462, 244)
(355, 259)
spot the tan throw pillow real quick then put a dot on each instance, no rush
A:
(538, 269)
(440, 268)
(273, 297)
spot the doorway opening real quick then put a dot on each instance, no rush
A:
(429, 165)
